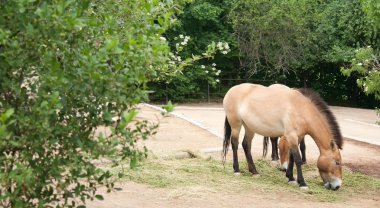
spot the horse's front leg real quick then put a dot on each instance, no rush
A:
(289, 170)
(298, 161)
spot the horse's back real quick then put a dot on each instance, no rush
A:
(246, 92)
(238, 92)
(236, 96)
(279, 86)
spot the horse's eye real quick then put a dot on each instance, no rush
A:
(337, 162)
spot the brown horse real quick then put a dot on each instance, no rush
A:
(277, 111)
(280, 151)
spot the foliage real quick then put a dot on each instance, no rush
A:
(298, 43)
(275, 36)
(367, 59)
(372, 9)
(68, 68)
(304, 43)
(346, 28)
(342, 28)
(202, 22)
(168, 108)
(366, 63)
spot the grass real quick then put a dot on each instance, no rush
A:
(210, 173)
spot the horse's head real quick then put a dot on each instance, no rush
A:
(330, 169)
(284, 153)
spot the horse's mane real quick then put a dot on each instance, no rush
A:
(321, 105)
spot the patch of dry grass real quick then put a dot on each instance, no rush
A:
(194, 176)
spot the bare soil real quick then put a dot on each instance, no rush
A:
(176, 137)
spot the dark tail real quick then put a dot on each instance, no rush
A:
(265, 146)
(227, 139)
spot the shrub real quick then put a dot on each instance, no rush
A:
(66, 69)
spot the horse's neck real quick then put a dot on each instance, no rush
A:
(319, 130)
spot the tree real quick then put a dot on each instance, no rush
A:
(66, 69)
(367, 59)
(305, 43)
(346, 29)
(275, 36)
(202, 22)
(372, 10)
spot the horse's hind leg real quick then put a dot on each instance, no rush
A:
(247, 143)
(274, 142)
(235, 145)
(231, 136)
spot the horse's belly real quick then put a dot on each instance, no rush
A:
(265, 127)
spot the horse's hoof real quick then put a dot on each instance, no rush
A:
(256, 175)
(294, 183)
(304, 188)
(237, 174)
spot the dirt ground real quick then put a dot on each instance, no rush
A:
(176, 136)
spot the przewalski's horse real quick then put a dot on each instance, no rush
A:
(280, 151)
(277, 111)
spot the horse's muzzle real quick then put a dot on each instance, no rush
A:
(334, 185)
(284, 166)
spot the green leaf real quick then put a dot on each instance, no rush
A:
(99, 197)
(111, 44)
(128, 116)
(5, 116)
(54, 98)
(169, 107)
(118, 51)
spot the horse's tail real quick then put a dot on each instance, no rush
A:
(227, 139)
(265, 146)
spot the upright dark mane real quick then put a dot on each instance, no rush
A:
(325, 110)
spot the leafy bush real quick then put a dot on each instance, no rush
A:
(68, 68)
